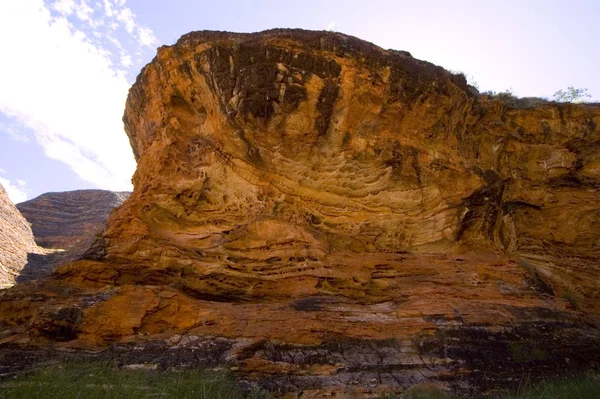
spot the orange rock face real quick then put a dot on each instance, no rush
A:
(263, 157)
(308, 190)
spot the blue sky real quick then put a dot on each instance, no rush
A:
(67, 64)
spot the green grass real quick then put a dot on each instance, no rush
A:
(585, 387)
(521, 352)
(426, 391)
(97, 381)
(104, 381)
(571, 298)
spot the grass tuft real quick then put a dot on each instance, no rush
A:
(103, 381)
(584, 387)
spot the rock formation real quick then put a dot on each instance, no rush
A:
(64, 220)
(340, 214)
(16, 241)
(70, 221)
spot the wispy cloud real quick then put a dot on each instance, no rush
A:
(126, 17)
(83, 11)
(64, 7)
(146, 37)
(68, 84)
(331, 26)
(14, 132)
(108, 10)
(126, 60)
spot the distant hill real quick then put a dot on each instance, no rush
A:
(70, 221)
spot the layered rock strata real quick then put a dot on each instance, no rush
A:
(65, 220)
(69, 222)
(340, 214)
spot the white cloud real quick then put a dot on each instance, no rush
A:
(83, 11)
(2, 171)
(64, 7)
(65, 86)
(126, 16)
(331, 26)
(14, 133)
(143, 34)
(95, 24)
(108, 8)
(146, 37)
(15, 194)
(126, 60)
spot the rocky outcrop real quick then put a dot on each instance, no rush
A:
(16, 241)
(69, 222)
(262, 156)
(340, 214)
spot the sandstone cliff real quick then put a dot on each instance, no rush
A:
(261, 156)
(16, 241)
(340, 214)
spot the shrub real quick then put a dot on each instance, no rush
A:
(571, 94)
(511, 100)
(571, 298)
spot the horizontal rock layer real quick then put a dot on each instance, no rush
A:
(69, 221)
(466, 323)
(63, 220)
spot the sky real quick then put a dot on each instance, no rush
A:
(67, 65)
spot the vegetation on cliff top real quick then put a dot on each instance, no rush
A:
(568, 95)
(508, 97)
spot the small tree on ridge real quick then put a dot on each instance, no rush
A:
(571, 94)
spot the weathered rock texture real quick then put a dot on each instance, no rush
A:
(345, 215)
(70, 221)
(16, 241)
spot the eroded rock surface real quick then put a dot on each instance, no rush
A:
(260, 156)
(343, 216)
